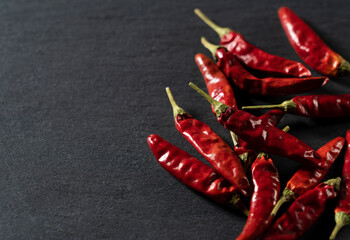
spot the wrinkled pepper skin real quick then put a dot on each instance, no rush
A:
(266, 192)
(272, 117)
(244, 80)
(314, 106)
(190, 171)
(342, 210)
(215, 150)
(218, 86)
(257, 59)
(267, 138)
(344, 200)
(306, 177)
(310, 47)
(302, 214)
(323, 106)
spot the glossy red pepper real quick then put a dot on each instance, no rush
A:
(307, 177)
(193, 173)
(254, 57)
(266, 191)
(220, 89)
(310, 47)
(244, 80)
(211, 146)
(262, 135)
(314, 106)
(217, 84)
(342, 210)
(303, 212)
(246, 153)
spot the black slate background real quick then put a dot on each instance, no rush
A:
(83, 84)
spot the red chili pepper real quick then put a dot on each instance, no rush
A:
(193, 173)
(218, 86)
(314, 106)
(262, 135)
(266, 191)
(307, 177)
(310, 47)
(342, 211)
(242, 148)
(220, 89)
(303, 212)
(241, 78)
(254, 57)
(217, 152)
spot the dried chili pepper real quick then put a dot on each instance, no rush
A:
(254, 57)
(217, 152)
(242, 148)
(220, 89)
(310, 47)
(342, 210)
(314, 106)
(303, 212)
(193, 173)
(218, 86)
(266, 191)
(307, 177)
(244, 80)
(262, 135)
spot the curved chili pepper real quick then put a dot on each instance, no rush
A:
(220, 89)
(342, 211)
(310, 47)
(193, 173)
(242, 148)
(303, 212)
(244, 80)
(307, 177)
(211, 146)
(314, 106)
(254, 57)
(262, 135)
(217, 84)
(266, 191)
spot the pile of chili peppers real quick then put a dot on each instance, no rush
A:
(245, 175)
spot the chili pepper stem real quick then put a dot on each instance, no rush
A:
(287, 196)
(221, 31)
(211, 47)
(218, 106)
(237, 203)
(234, 138)
(176, 109)
(285, 106)
(341, 219)
(334, 182)
(344, 67)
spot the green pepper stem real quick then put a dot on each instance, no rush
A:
(234, 138)
(211, 47)
(287, 196)
(236, 203)
(176, 109)
(286, 129)
(335, 182)
(286, 106)
(221, 31)
(218, 106)
(341, 219)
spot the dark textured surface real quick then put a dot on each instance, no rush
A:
(82, 85)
